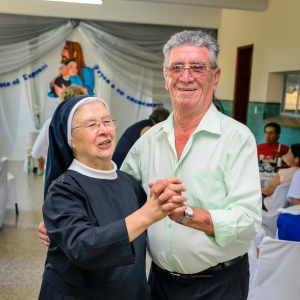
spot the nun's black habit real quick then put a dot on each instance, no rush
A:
(90, 256)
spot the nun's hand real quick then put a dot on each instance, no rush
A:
(168, 193)
(160, 185)
(43, 234)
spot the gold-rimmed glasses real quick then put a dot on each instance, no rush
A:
(93, 126)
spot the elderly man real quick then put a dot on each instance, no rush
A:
(202, 255)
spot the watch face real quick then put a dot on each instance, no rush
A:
(189, 212)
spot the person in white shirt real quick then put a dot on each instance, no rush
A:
(293, 195)
(40, 147)
(284, 176)
(202, 255)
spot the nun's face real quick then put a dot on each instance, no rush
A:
(93, 145)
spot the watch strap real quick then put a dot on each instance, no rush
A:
(184, 220)
(188, 214)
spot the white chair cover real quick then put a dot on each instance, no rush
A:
(12, 199)
(3, 188)
(252, 254)
(269, 218)
(278, 271)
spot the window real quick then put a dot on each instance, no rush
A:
(291, 93)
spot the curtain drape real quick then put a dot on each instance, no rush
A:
(134, 51)
(130, 56)
(17, 55)
(17, 28)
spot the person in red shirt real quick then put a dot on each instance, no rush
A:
(272, 146)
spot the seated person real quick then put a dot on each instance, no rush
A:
(284, 176)
(135, 131)
(272, 146)
(288, 223)
(293, 195)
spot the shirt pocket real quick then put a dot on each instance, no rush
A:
(206, 188)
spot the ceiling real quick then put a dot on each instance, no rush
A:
(200, 13)
(258, 5)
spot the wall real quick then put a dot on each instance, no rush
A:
(274, 34)
(257, 111)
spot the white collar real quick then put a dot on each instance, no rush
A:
(94, 173)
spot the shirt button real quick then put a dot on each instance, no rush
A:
(170, 225)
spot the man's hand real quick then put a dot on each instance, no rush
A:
(43, 234)
(161, 184)
(177, 214)
(154, 210)
(168, 192)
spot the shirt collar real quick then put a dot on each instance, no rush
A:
(211, 122)
(90, 172)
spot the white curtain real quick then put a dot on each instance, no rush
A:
(20, 102)
(14, 56)
(126, 60)
(135, 81)
(18, 28)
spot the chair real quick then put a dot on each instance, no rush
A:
(277, 272)
(3, 189)
(253, 254)
(269, 218)
(11, 195)
(289, 226)
(11, 192)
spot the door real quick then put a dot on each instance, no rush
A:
(242, 83)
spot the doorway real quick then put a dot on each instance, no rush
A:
(242, 83)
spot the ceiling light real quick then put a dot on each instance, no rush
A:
(80, 1)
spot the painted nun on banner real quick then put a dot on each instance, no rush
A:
(72, 71)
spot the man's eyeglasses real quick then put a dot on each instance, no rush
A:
(195, 70)
(93, 126)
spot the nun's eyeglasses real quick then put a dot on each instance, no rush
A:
(93, 126)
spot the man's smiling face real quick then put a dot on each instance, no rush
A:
(187, 91)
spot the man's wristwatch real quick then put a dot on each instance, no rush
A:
(188, 214)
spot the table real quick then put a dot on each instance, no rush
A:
(266, 178)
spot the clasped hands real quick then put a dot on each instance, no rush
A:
(165, 200)
(168, 194)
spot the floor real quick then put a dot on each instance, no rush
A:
(22, 254)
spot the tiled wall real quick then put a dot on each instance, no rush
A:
(288, 135)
